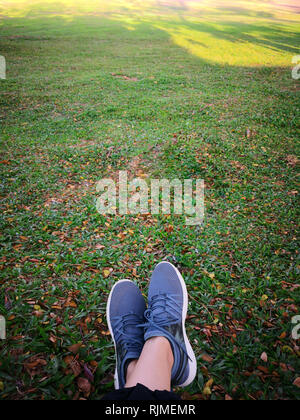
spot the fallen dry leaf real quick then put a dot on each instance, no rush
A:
(207, 388)
(35, 363)
(297, 382)
(53, 339)
(264, 357)
(207, 358)
(74, 366)
(292, 160)
(84, 385)
(106, 273)
(263, 369)
(75, 348)
(70, 303)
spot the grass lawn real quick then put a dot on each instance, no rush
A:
(180, 89)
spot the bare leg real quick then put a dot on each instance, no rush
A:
(153, 368)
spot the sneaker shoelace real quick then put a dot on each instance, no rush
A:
(164, 311)
(125, 332)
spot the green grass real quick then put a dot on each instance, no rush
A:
(214, 99)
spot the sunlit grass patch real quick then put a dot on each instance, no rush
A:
(244, 33)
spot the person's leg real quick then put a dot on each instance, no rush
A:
(143, 370)
(167, 358)
(154, 366)
(161, 357)
(125, 312)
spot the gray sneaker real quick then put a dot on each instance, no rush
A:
(125, 312)
(165, 317)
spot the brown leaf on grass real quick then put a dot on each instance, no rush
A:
(207, 387)
(169, 228)
(293, 192)
(238, 165)
(35, 365)
(70, 303)
(38, 314)
(76, 396)
(292, 160)
(264, 357)
(58, 307)
(228, 398)
(204, 370)
(297, 382)
(122, 76)
(263, 369)
(59, 321)
(84, 386)
(53, 339)
(87, 373)
(283, 367)
(192, 397)
(93, 364)
(131, 79)
(207, 358)
(75, 348)
(74, 366)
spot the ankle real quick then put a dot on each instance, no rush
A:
(130, 369)
(164, 347)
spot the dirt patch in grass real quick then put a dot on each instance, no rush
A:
(124, 77)
(71, 194)
(83, 144)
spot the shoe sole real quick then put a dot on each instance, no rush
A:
(192, 363)
(116, 376)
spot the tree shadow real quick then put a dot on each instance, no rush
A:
(274, 37)
(177, 16)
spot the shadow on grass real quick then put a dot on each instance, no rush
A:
(213, 27)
